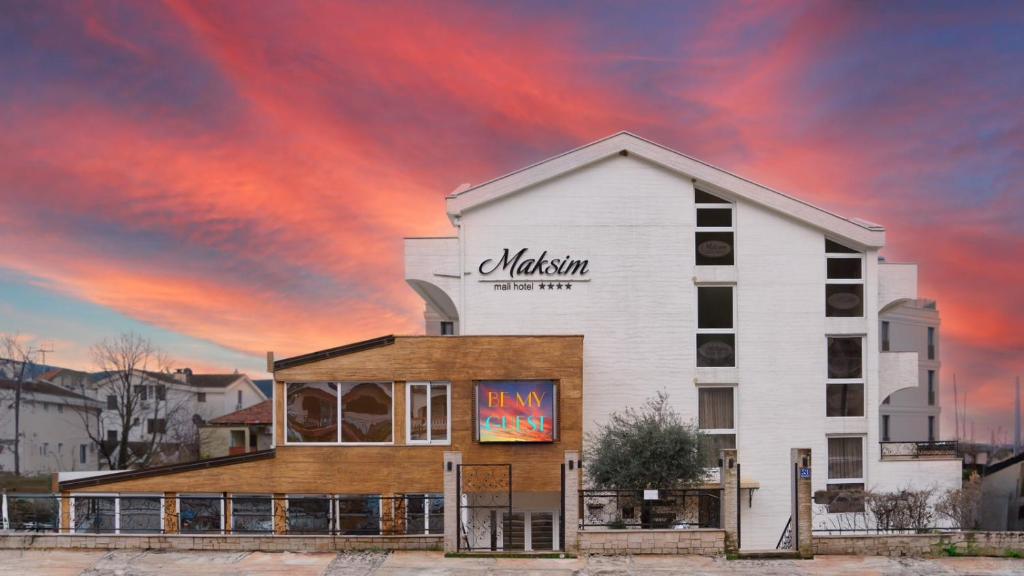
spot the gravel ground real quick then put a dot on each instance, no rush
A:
(126, 563)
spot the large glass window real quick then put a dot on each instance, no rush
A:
(358, 514)
(716, 420)
(352, 412)
(931, 387)
(846, 458)
(715, 230)
(309, 515)
(427, 411)
(95, 514)
(931, 343)
(716, 332)
(200, 515)
(313, 412)
(365, 411)
(844, 284)
(140, 514)
(252, 514)
(845, 384)
(424, 514)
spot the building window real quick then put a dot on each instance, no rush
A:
(427, 408)
(238, 404)
(931, 387)
(447, 328)
(200, 515)
(885, 335)
(885, 427)
(82, 454)
(716, 420)
(201, 397)
(846, 459)
(111, 402)
(156, 426)
(845, 384)
(112, 436)
(931, 343)
(309, 515)
(161, 392)
(140, 392)
(96, 514)
(716, 326)
(358, 514)
(844, 283)
(715, 230)
(139, 514)
(424, 513)
(931, 428)
(60, 408)
(252, 514)
(345, 412)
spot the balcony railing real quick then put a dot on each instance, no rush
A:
(919, 450)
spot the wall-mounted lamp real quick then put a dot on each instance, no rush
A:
(449, 465)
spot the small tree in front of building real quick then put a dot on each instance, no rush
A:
(645, 448)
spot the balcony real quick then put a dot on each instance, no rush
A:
(943, 450)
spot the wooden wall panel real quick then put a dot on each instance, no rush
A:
(400, 468)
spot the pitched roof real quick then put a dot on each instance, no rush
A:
(256, 414)
(333, 352)
(213, 380)
(703, 174)
(36, 387)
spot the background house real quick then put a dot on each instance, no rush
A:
(246, 430)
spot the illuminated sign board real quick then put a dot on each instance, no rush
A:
(516, 411)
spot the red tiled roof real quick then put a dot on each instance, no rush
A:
(256, 414)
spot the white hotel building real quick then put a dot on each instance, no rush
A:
(758, 313)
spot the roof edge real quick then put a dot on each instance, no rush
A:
(329, 353)
(164, 470)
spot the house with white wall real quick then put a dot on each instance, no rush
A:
(757, 312)
(912, 414)
(51, 428)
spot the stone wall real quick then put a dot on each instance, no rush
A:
(967, 543)
(219, 542)
(702, 542)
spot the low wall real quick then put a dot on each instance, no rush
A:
(967, 543)
(702, 542)
(237, 543)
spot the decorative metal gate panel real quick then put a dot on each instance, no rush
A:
(484, 495)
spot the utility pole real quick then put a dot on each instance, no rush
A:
(956, 408)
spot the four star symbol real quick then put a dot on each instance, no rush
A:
(558, 286)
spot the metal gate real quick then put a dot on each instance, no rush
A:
(484, 496)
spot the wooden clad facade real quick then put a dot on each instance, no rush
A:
(399, 468)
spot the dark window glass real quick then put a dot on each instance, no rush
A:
(252, 514)
(140, 514)
(716, 350)
(200, 515)
(885, 428)
(424, 514)
(837, 248)
(111, 402)
(112, 436)
(312, 412)
(714, 248)
(36, 513)
(140, 391)
(714, 307)
(161, 392)
(841, 498)
(844, 300)
(844, 358)
(309, 515)
(365, 412)
(885, 335)
(201, 397)
(702, 197)
(713, 446)
(931, 343)
(94, 514)
(931, 428)
(156, 426)
(438, 412)
(845, 458)
(844, 268)
(931, 387)
(845, 400)
(714, 217)
(715, 408)
(447, 328)
(358, 515)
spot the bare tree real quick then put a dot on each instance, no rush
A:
(133, 383)
(17, 365)
(962, 506)
(904, 510)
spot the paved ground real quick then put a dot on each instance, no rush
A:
(61, 563)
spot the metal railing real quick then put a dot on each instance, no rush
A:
(331, 515)
(910, 450)
(651, 509)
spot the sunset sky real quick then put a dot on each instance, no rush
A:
(229, 178)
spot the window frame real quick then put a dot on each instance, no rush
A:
(734, 431)
(699, 331)
(725, 204)
(932, 393)
(862, 381)
(828, 458)
(338, 395)
(846, 281)
(885, 428)
(408, 413)
(203, 496)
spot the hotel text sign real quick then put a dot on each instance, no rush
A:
(516, 411)
(526, 272)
